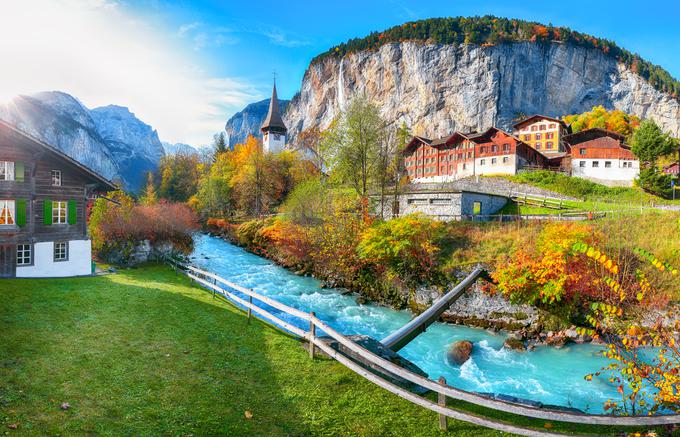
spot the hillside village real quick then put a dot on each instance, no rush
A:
(337, 266)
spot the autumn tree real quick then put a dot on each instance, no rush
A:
(214, 194)
(354, 145)
(616, 121)
(149, 197)
(179, 176)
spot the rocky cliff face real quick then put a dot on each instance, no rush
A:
(437, 89)
(109, 140)
(177, 148)
(248, 121)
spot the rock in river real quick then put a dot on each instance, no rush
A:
(459, 352)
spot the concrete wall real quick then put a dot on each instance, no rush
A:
(79, 261)
(489, 204)
(617, 174)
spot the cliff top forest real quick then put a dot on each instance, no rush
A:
(489, 30)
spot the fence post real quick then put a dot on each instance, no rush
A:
(441, 400)
(250, 311)
(312, 333)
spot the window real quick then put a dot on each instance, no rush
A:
(61, 251)
(581, 164)
(552, 125)
(506, 159)
(482, 161)
(482, 149)
(476, 208)
(7, 212)
(527, 137)
(538, 146)
(506, 147)
(538, 136)
(23, 254)
(534, 128)
(494, 148)
(542, 127)
(469, 155)
(607, 164)
(582, 151)
(6, 171)
(549, 145)
(493, 160)
(549, 135)
(596, 164)
(59, 212)
(56, 178)
(464, 166)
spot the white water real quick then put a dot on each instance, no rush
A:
(548, 375)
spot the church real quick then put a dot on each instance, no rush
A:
(273, 128)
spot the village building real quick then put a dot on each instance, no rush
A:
(442, 203)
(43, 208)
(602, 156)
(543, 133)
(463, 155)
(673, 169)
(273, 128)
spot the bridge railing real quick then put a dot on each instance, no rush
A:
(223, 287)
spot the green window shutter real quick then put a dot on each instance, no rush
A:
(72, 212)
(19, 171)
(21, 212)
(47, 212)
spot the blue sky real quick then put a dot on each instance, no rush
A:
(253, 38)
(184, 66)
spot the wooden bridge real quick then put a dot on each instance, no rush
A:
(220, 287)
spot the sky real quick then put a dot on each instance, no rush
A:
(185, 67)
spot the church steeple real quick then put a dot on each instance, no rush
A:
(273, 128)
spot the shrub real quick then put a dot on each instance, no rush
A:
(117, 229)
(407, 246)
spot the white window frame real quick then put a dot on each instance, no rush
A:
(7, 171)
(56, 178)
(596, 164)
(8, 212)
(60, 251)
(57, 207)
(581, 164)
(24, 254)
(607, 164)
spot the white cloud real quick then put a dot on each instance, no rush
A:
(282, 39)
(95, 51)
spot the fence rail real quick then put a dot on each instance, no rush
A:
(211, 281)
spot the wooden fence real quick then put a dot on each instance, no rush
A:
(222, 287)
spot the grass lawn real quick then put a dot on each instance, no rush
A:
(142, 352)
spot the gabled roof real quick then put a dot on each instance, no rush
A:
(593, 133)
(538, 116)
(100, 180)
(274, 121)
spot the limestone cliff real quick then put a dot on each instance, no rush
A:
(437, 88)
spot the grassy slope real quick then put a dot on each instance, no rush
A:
(142, 352)
(594, 197)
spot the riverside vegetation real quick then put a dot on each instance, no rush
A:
(282, 206)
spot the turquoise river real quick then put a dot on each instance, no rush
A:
(548, 375)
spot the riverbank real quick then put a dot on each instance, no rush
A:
(143, 352)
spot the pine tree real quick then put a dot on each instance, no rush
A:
(219, 144)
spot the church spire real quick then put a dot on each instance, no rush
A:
(274, 121)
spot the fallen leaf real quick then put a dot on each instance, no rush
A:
(248, 414)
(548, 425)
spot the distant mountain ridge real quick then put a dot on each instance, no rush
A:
(179, 148)
(110, 139)
(248, 121)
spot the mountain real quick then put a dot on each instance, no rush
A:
(177, 148)
(248, 121)
(439, 88)
(445, 74)
(109, 140)
(134, 144)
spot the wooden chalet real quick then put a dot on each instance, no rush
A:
(43, 208)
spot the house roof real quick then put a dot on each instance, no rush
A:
(274, 121)
(593, 133)
(103, 183)
(538, 116)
